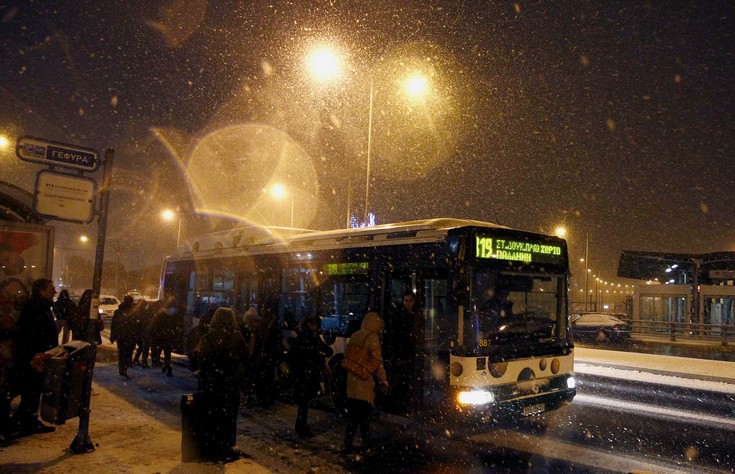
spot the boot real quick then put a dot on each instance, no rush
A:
(169, 371)
(348, 447)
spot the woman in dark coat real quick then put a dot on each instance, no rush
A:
(122, 331)
(141, 333)
(65, 309)
(222, 356)
(307, 359)
(164, 332)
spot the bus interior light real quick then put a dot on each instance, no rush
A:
(475, 397)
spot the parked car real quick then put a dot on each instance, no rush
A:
(108, 305)
(600, 327)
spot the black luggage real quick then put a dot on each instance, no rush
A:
(208, 425)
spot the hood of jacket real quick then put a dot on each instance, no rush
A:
(372, 322)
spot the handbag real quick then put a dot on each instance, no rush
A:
(359, 362)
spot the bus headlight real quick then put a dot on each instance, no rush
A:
(571, 382)
(475, 397)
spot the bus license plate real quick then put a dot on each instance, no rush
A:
(534, 409)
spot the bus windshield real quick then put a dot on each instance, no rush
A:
(511, 308)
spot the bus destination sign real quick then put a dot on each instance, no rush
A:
(528, 251)
(346, 268)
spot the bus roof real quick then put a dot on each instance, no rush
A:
(272, 239)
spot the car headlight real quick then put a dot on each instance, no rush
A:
(475, 397)
(571, 382)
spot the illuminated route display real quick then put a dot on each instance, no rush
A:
(528, 251)
(353, 268)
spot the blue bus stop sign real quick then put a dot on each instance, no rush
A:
(46, 152)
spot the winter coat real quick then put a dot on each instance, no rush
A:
(65, 309)
(122, 327)
(165, 328)
(402, 336)
(306, 360)
(368, 337)
(222, 357)
(36, 330)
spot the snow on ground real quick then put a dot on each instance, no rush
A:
(136, 423)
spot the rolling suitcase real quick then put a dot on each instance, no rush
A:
(190, 449)
(208, 424)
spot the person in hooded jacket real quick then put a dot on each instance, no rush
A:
(307, 359)
(84, 327)
(361, 393)
(64, 308)
(122, 332)
(192, 339)
(222, 357)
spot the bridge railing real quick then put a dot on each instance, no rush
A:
(674, 331)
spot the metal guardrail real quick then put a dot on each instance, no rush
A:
(674, 331)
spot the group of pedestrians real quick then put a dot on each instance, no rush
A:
(142, 329)
(232, 355)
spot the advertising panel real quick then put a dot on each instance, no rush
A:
(26, 254)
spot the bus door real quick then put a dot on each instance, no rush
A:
(432, 289)
(410, 358)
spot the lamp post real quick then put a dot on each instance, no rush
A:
(369, 146)
(586, 267)
(169, 215)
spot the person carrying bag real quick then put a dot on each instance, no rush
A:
(364, 365)
(360, 362)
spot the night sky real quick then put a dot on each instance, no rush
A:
(615, 119)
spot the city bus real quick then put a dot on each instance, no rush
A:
(465, 364)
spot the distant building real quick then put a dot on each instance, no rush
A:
(695, 288)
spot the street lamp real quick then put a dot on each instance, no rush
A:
(279, 192)
(169, 215)
(325, 64)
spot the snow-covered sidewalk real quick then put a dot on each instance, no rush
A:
(129, 438)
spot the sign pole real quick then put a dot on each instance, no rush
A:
(82, 443)
(102, 221)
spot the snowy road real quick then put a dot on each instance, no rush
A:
(633, 413)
